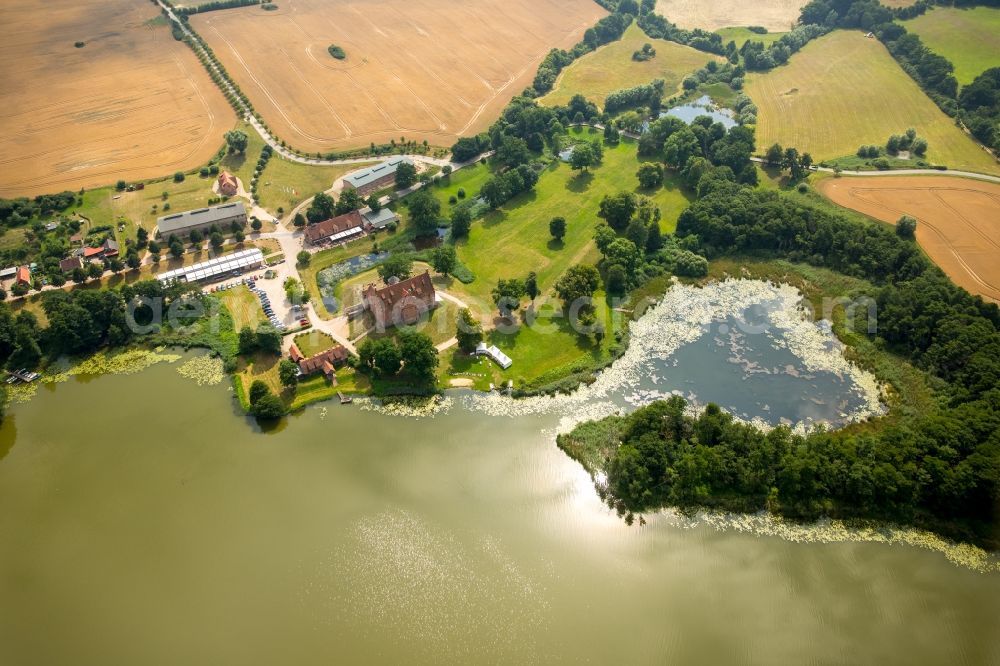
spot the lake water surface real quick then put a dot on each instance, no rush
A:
(143, 520)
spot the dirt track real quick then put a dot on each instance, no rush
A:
(132, 103)
(424, 69)
(958, 220)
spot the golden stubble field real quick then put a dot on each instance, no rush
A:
(958, 220)
(775, 15)
(424, 69)
(131, 104)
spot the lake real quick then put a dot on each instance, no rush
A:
(144, 520)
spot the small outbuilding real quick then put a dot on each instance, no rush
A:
(70, 264)
(494, 354)
(228, 185)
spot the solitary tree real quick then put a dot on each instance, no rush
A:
(461, 222)
(288, 372)
(406, 175)
(303, 258)
(906, 227)
(237, 141)
(217, 240)
(650, 175)
(507, 295)
(617, 209)
(444, 259)
(268, 339)
(469, 332)
(557, 227)
(381, 355)
(579, 282)
(247, 340)
(268, 407)
(420, 356)
(531, 286)
(397, 266)
(774, 155)
(323, 207)
(583, 157)
(425, 211)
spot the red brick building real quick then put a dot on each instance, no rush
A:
(326, 362)
(227, 184)
(402, 303)
(337, 229)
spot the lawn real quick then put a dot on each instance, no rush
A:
(743, 35)
(611, 68)
(842, 91)
(514, 240)
(242, 165)
(969, 38)
(470, 179)
(285, 184)
(313, 342)
(244, 305)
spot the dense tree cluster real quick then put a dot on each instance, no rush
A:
(84, 320)
(677, 143)
(941, 466)
(649, 94)
(411, 352)
(980, 107)
(658, 27)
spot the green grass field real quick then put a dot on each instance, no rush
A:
(313, 342)
(743, 35)
(515, 239)
(242, 165)
(244, 306)
(285, 184)
(969, 38)
(842, 91)
(611, 68)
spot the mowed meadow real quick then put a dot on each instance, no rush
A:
(844, 90)
(611, 68)
(131, 103)
(428, 70)
(776, 15)
(969, 38)
(958, 220)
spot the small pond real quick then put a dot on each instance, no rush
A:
(703, 106)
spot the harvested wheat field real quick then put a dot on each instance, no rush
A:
(775, 15)
(132, 103)
(958, 220)
(843, 90)
(611, 68)
(424, 69)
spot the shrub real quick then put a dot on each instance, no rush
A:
(179, 177)
(461, 193)
(906, 227)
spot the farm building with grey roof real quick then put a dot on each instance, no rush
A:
(202, 219)
(376, 177)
